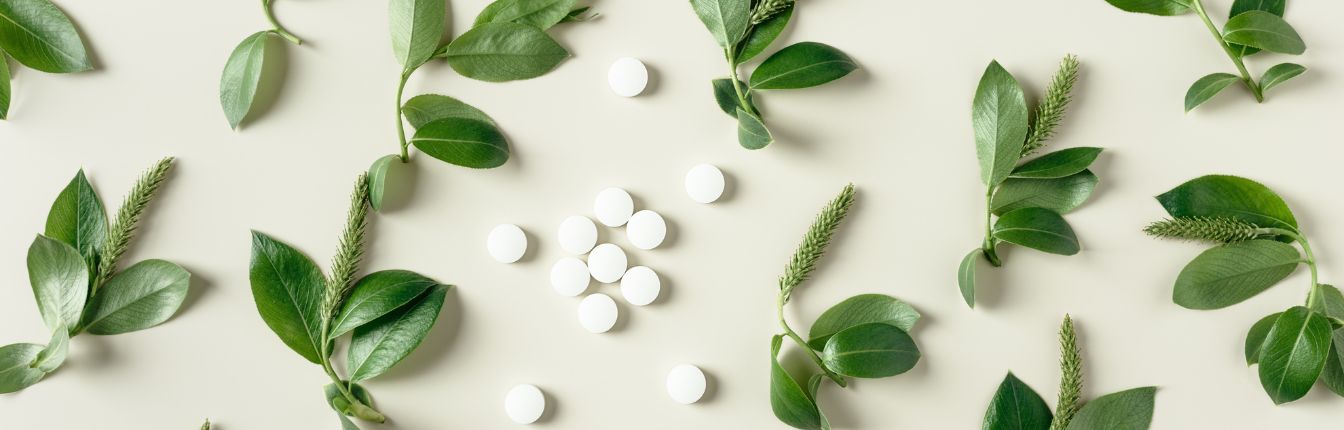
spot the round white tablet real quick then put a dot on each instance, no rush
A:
(569, 277)
(686, 384)
(597, 313)
(646, 229)
(607, 263)
(704, 183)
(613, 207)
(506, 243)
(627, 77)
(525, 404)
(578, 234)
(640, 286)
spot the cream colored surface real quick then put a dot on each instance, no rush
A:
(899, 129)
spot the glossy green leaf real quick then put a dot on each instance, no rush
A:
(288, 288)
(1333, 374)
(60, 281)
(16, 370)
(1155, 7)
(142, 296)
(727, 20)
(1228, 196)
(78, 219)
(1016, 407)
(53, 355)
(966, 276)
(760, 36)
(872, 350)
(1279, 74)
(417, 26)
(426, 108)
(1037, 228)
(378, 174)
(379, 294)
(241, 77)
(5, 91)
(1255, 338)
(1239, 7)
(1264, 30)
(382, 343)
(464, 142)
(1058, 164)
(1131, 409)
(1229, 274)
(1207, 87)
(751, 132)
(1061, 195)
(505, 51)
(791, 404)
(542, 14)
(579, 15)
(726, 96)
(38, 35)
(858, 310)
(802, 65)
(1294, 354)
(999, 115)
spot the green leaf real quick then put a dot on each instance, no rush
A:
(1061, 195)
(1294, 354)
(1228, 196)
(379, 294)
(38, 35)
(1255, 338)
(1239, 7)
(727, 20)
(1016, 407)
(505, 51)
(242, 75)
(760, 36)
(1155, 7)
(579, 15)
(464, 142)
(802, 65)
(966, 276)
(1207, 87)
(1279, 74)
(345, 409)
(1058, 164)
(16, 370)
(726, 96)
(751, 132)
(542, 14)
(1226, 275)
(288, 289)
(858, 310)
(77, 218)
(142, 296)
(60, 281)
(53, 355)
(872, 350)
(1333, 375)
(426, 108)
(999, 115)
(4, 85)
(1037, 228)
(1264, 30)
(791, 404)
(378, 174)
(1131, 409)
(417, 26)
(382, 343)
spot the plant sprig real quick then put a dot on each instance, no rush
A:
(41, 37)
(246, 66)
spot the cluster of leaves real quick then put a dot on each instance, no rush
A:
(388, 313)
(507, 42)
(73, 271)
(39, 36)
(1253, 26)
(1254, 230)
(865, 336)
(1017, 407)
(744, 29)
(243, 72)
(1028, 196)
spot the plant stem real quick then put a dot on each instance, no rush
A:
(276, 27)
(1241, 66)
(988, 247)
(401, 127)
(731, 55)
(788, 331)
(1314, 294)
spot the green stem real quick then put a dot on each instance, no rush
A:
(788, 331)
(988, 247)
(1313, 296)
(362, 411)
(1236, 60)
(275, 25)
(401, 127)
(731, 55)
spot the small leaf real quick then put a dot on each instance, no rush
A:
(378, 174)
(579, 15)
(464, 142)
(1239, 7)
(1016, 407)
(1216, 196)
(1264, 30)
(1279, 74)
(1058, 164)
(1294, 354)
(1037, 228)
(379, 294)
(760, 36)
(60, 281)
(417, 26)
(426, 108)
(802, 65)
(344, 409)
(1255, 338)
(727, 20)
(751, 132)
(999, 115)
(288, 288)
(858, 310)
(78, 219)
(505, 51)
(1229, 274)
(1333, 375)
(51, 357)
(872, 350)
(1155, 7)
(241, 77)
(966, 276)
(382, 343)
(1061, 195)
(1131, 409)
(542, 14)
(4, 85)
(726, 96)
(38, 35)
(1207, 87)
(790, 403)
(142, 296)
(16, 370)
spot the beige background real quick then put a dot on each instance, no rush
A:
(899, 129)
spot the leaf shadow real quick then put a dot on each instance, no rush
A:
(199, 286)
(274, 72)
(1102, 164)
(441, 339)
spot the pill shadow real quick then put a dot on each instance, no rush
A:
(711, 387)
(552, 407)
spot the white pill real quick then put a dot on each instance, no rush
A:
(646, 229)
(578, 234)
(704, 183)
(597, 313)
(569, 277)
(607, 263)
(506, 243)
(686, 384)
(525, 404)
(627, 77)
(640, 286)
(613, 207)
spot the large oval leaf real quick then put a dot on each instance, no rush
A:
(1037, 228)
(60, 281)
(1276, 7)
(1294, 354)
(727, 20)
(861, 309)
(464, 142)
(242, 75)
(999, 115)
(142, 296)
(288, 288)
(77, 218)
(751, 131)
(505, 51)
(1207, 87)
(873, 350)
(966, 276)
(378, 294)
(1016, 407)
(53, 355)
(382, 343)
(16, 370)
(760, 36)
(541, 14)
(1264, 30)
(426, 108)
(1058, 164)
(417, 26)
(1226, 275)
(1061, 195)
(790, 403)
(1131, 409)
(1255, 337)
(1228, 196)
(802, 65)
(1279, 74)
(40, 36)
(1155, 7)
